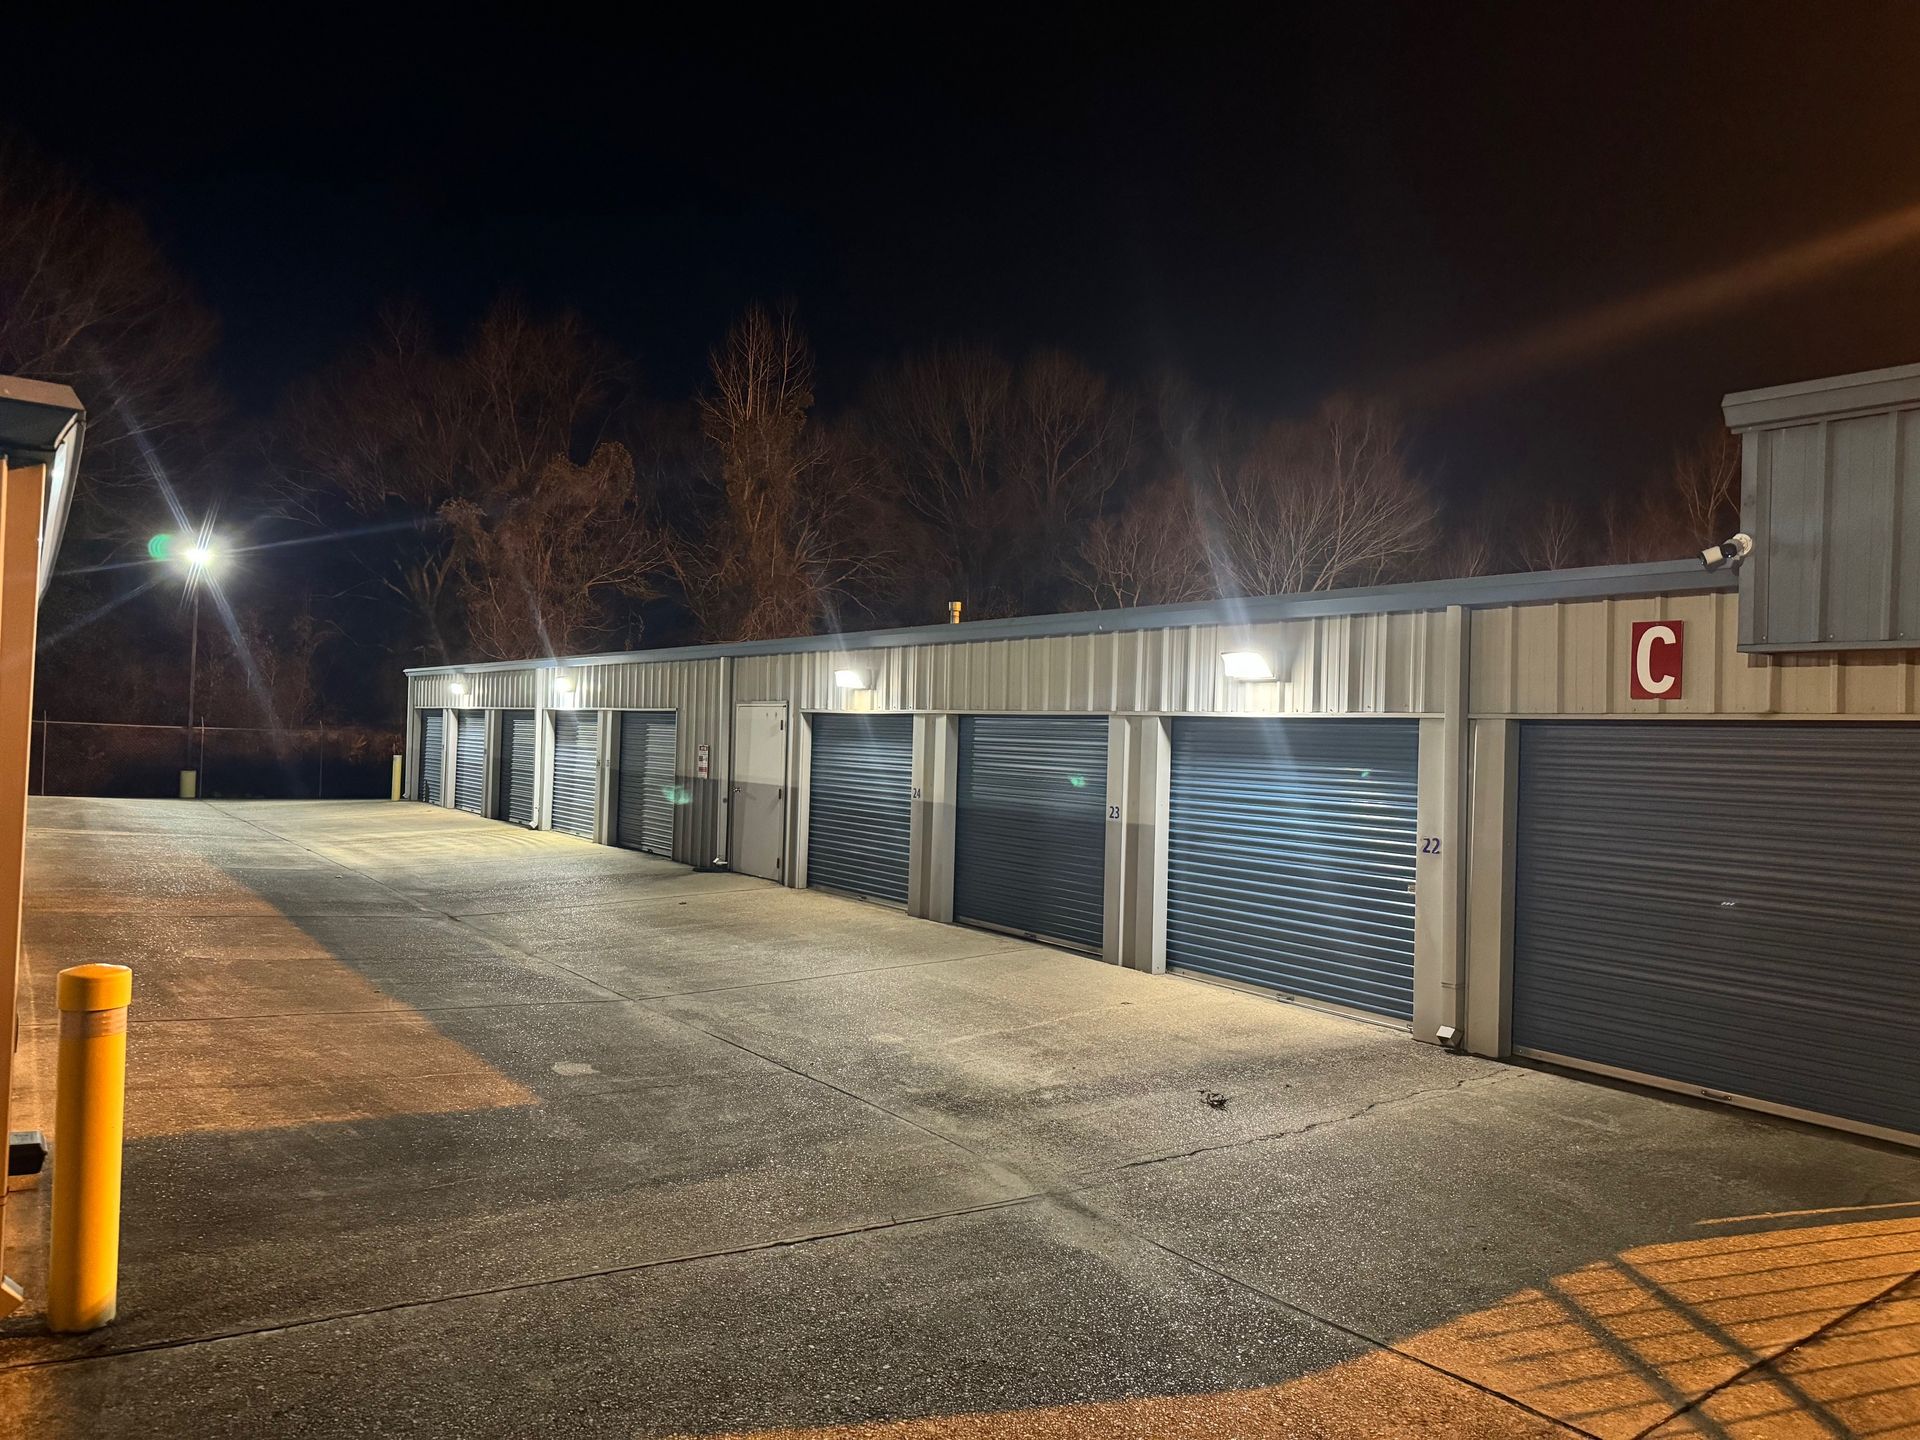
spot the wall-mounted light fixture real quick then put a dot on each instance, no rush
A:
(456, 688)
(562, 684)
(1246, 665)
(853, 679)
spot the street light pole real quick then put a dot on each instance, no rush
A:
(193, 674)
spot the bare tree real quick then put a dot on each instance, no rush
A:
(1152, 552)
(1003, 466)
(87, 300)
(536, 569)
(793, 538)
(1322, 503)
(1552, 539)
(410, 434)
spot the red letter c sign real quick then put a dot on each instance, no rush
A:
(1657, 651)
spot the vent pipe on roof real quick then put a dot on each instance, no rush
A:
(953, 612)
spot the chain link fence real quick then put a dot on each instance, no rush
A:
(85, 757)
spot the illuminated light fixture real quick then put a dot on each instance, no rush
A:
(199, 556)
(457, 688)
(562, 685)
(1246, 665)
(852, 680)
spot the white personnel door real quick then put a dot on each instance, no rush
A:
(759, 799)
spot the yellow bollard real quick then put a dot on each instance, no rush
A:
(83, 1268)
(189, 784)
(396, 778)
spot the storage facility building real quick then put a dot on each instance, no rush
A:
(1656, 821)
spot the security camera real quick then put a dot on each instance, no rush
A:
(1728, 552)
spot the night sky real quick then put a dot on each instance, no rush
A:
(1339, 197)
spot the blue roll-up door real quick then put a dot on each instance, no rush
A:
(515, 781)
(1291, 849)
(860, 805)
(433, 756)
(470, 760)
(576, 771)
(1730, 906)
(1030, 836)
(644, 814)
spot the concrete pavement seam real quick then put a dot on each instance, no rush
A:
(1348, 1330)
(1763, 1362)
(787, 1242)
(1474, 1081)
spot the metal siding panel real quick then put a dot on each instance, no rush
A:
(576, 737)
(1290, 856)
(649, 789)
(1790, 547)
(470, 760)
(433, 724)
(1030, 834)
(516, 766)
(859, 804)
(1906, 529)
(1727, 906)
(1857, 538)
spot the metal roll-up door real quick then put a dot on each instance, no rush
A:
(1290, 856)
(516, 766)
(1030, 835)
(860, 805)
(647, 782)
(576, 771)
(1732, 907)
(470, 760)
(433, 756)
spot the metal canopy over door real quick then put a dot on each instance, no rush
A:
(576, 771)
(433, 756)
(644, 818)
(516, 766)
(1732, 907)
(1290, 856)
(860, 805)
(470, 760)
(1030, 835)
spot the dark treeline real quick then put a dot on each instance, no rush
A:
(511, 491)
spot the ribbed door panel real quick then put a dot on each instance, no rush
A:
(470, 760)
(1732, 906)
(860, 805)
(433, 756)
(1290, 856)
(516, 766)
(1030, 836)
(647, 784)
(576, 778)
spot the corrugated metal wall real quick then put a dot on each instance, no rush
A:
(697, 691)
(1572, 658)
(486, 690)
(1344, 665)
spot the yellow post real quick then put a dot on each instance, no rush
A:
(83, 1266)
(396, 778)
(189, 784)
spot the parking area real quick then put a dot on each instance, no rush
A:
(441, 1126)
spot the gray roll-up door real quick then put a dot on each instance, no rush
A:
(470, 760)
(576, 771)
(647, 783)
(1030, 836)
(860, 805)
(1290, 856)
(515, 780)
(433, 756)
(1731, 906)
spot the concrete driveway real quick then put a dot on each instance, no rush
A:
(438, 1127)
